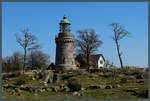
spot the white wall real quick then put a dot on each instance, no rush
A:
(99, 64)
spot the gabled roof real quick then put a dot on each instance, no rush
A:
(96, 57)
(93, 58)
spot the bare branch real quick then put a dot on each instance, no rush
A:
(119, 33)
(27, 42)
(87, 43)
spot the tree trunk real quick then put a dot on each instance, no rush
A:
(24, 62)
(88, 62)
(119, 54)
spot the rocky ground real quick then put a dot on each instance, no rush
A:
(101, 84)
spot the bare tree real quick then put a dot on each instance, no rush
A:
(27, 42)
(119, 33)
(38, 59)
(87, 42)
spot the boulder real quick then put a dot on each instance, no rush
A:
(94, 87)
(66, 77)
(35, 74)
(76, 94)
(57, 78)
(63, 88)
(47, 76)
(108, 87)
(35, 94)
(102, 86)
(45, 84)
(56, 88)
(24, 88)
(140, 76)
(10, 86)
(83, 89)
(140, 82)
(32, 77)
(74, 84)
(17, 90)
(134, 91)
(116, 86)
(66, 89)
(49, 89)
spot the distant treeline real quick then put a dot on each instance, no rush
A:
(35, 59)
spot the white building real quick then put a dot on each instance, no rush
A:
(97, 61)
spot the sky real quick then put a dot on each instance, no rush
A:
(43, 20)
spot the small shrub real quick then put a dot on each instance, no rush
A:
(74, 84)
(22, 79)
(14, 74)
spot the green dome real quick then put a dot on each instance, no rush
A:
(65, 20)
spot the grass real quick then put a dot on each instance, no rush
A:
(86, 80)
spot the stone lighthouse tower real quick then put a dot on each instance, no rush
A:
(64, 46)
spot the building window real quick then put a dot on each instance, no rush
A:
(101, 62)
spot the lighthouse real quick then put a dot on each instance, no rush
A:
(65, 47)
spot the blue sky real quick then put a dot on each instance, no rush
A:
(43, 20)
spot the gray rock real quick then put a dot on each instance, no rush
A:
(108, 87)
(62, 85)
(102, 86)
(134, 92)
(18, 90)
(83, 89)
(66, 89)
(76, 94)
(116, 86)
(57, 78)
(49, 76)
(140, 76)
(45, 84)
(140, 82)
(19, 94)
(56, 88)
(94, 87)
(35, 94)
(9, 86)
